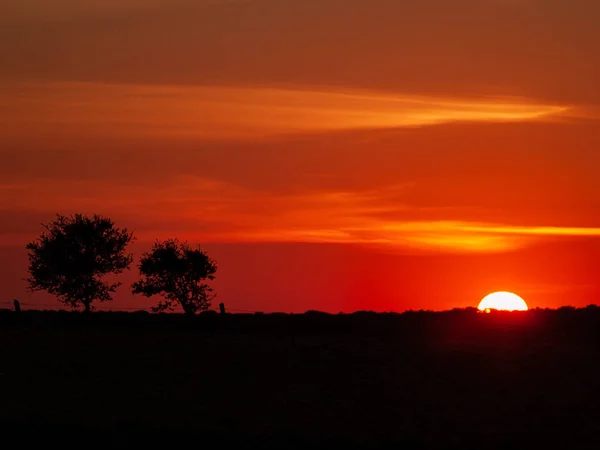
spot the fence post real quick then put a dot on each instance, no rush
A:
(222, 308)
(17, 305)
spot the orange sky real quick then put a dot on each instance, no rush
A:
(331, 154)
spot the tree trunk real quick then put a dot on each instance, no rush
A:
(187, 308)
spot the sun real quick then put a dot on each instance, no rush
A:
(503, 301)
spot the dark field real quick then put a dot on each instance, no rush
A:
(419, 380)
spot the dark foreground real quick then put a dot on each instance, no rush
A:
(416, 380)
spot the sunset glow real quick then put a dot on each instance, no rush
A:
(317, 222)
(502, 301)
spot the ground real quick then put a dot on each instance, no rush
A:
(417, 380)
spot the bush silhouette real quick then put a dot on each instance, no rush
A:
(70, 258)
(177, 272)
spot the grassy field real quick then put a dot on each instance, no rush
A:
(367, 380)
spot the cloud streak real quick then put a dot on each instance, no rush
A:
(212, 112)
(212, 211)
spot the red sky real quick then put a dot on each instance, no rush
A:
(332, 154)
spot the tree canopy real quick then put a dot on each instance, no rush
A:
(72, 256)
(179, 273)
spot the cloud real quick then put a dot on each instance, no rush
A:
(206, 210)
(54, 110)
(438, 235)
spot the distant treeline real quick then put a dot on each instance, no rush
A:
(456, 323)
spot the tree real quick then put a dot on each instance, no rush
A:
(178, 273)
(70, 258)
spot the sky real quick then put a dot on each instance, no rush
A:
(336, 155)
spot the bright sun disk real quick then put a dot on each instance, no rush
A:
(503, 301)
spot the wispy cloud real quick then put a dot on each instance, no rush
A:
(213, 211)
(91, 109)
(439, 235)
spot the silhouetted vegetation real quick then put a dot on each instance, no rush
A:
(416, 379)
(72, 256)
(177, 272)
(459, 379)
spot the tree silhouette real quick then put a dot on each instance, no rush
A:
(177, 272)
(70, 258)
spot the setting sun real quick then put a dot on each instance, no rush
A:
(503, 301)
